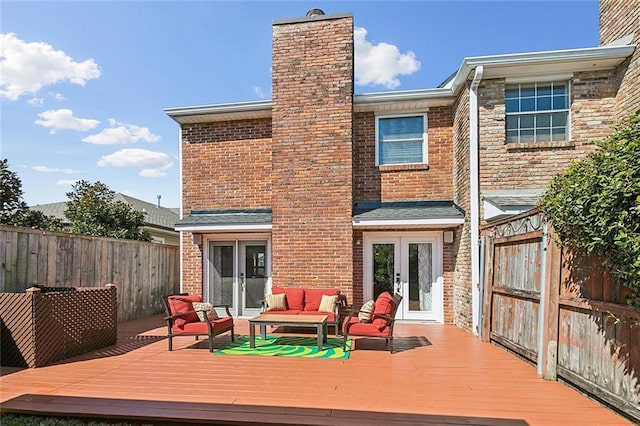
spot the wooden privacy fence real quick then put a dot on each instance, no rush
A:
(43, 326)
(560, 311)
(141, 271)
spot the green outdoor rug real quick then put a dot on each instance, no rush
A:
(290, 346)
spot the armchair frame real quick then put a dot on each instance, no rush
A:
(170, 319)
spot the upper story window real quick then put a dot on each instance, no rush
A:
(537, 112)
(401, 140)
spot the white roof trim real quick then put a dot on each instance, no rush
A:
(224, 228)
(423, 223)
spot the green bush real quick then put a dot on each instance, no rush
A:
(595, 205)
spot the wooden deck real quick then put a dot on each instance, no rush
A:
(440, 375)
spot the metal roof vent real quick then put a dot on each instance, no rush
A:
(314, 12)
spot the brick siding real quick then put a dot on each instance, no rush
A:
(534, 165)
(619, 18)
(225, 165)
(404, 182)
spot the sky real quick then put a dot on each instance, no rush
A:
(83, 84)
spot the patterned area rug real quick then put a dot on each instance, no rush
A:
(290, 346)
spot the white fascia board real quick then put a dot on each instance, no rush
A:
(256, 107)
(224, 228)
(601, 53)
(402, 95)
(423, 223)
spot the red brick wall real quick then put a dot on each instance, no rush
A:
(312, 152)
(225, 165)
(534, 165)
(404, 182)
(619, 18)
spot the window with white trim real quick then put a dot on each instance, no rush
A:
(537, 112)
(401, 139)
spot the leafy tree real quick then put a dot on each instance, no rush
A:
(14, 211)
(595, 205)
(92, 210)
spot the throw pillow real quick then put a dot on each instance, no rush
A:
(366, 311)
(205, 311)
(327, 303)
(276, 302)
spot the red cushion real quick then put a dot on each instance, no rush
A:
(293, 295)
(223, 323)
(356, 328)
(384, 305)
(179, 304)
(313, 296)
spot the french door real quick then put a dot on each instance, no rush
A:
(409, 264)
(238, 273)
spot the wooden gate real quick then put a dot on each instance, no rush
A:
(560, 311)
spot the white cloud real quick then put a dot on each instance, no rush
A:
(58, 97)
(258, 91)
(63, 119)
(151, 163)
(67, 182)
(382, 63)
(36, 102)
(121, 133)
(27, 67)
(45, 169)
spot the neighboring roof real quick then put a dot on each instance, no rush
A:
(511, 198)
(553, 62)
(503, 203)
(225, 220)
(407, 213)
(159, 217)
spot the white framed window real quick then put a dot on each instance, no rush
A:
(537, 112)
(401, 139)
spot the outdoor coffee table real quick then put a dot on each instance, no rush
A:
(317, 321)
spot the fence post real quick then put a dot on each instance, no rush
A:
(487, 297)
(31, 353)
(550, 316)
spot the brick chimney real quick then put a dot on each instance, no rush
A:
(312, 151)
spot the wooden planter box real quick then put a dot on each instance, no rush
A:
(46, 325)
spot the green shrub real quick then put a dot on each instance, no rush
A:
(595, 205)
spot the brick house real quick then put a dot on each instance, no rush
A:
(321, 187)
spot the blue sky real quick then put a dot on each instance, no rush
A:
(83, 84)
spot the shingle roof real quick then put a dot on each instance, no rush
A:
(226, 217)
(505, 201)
(159, 217)
(406, 210)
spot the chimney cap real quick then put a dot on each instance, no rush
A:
(314, 12)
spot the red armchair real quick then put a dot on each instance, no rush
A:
(381, 324)
(183, 320)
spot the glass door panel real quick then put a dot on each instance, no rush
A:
(384, 269)
(420, 277)
(221, 274)
(255, 277)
